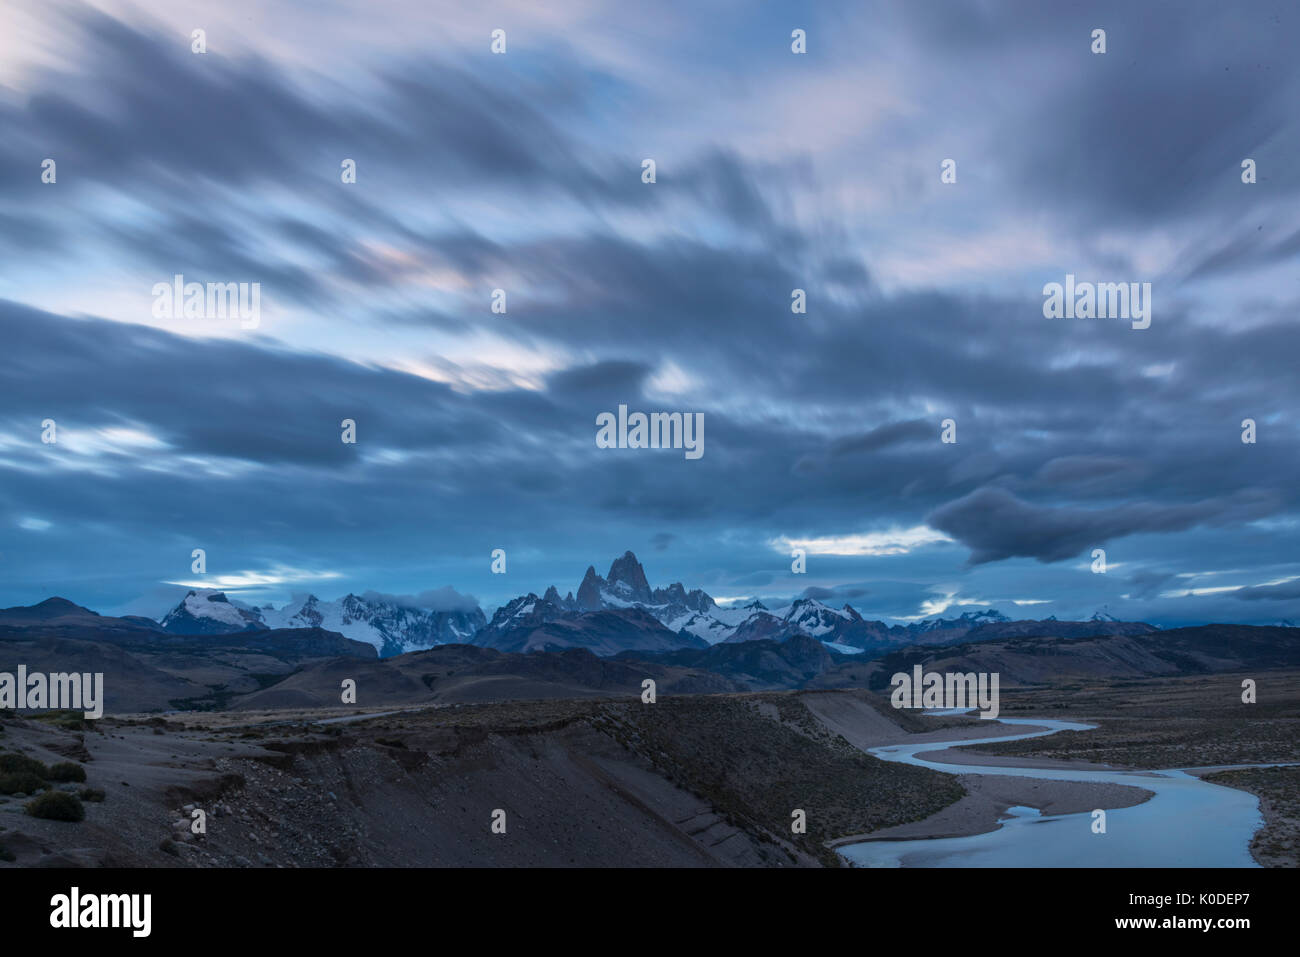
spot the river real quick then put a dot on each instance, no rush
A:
(1188, 823)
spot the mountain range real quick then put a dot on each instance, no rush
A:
(608, 615)
(549, 648)
(391, 627)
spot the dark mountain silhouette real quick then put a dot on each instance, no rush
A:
(1204, 649)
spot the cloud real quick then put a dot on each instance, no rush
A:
(883, 437)
(1148, 583)
(896, 541)
(247, 579)
(445, 598)
(845, 592)
(997, 525)
(1090, 470)
(522, 173)
(1282, 591)
(661, 540)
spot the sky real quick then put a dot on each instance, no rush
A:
(522, 171)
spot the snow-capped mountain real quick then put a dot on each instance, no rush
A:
(709, 627)
(626, 587)
(527, 612)
(985, 616)
(692, 616)
(844, 630)
(210, 612)
(695, 617)
(617, 612)
(392, 628)
(813, 618)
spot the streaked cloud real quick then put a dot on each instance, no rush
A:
(898, 541)
(521, 172)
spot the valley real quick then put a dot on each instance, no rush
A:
(692, 780)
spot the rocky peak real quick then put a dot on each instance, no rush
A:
(676, 594)
(627, 579)
(699, 600)
(589, 590)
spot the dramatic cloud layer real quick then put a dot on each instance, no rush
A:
(775, 171)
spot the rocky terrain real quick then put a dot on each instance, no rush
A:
(687, 781)
(1177, 722)
(691, 780)
(250, 728)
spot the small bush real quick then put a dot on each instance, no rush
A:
(13, 763)
(57, 806)
(67, 771)
(21, 782)
(66, 720)
(92, 794)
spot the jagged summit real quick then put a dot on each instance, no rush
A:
(626, 586)
(607, 614)
(590, 589)
(626, 590)
(695, 617)
(627, 579)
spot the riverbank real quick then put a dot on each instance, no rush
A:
(1277, 843)
(1164, 827)
(988, 797)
